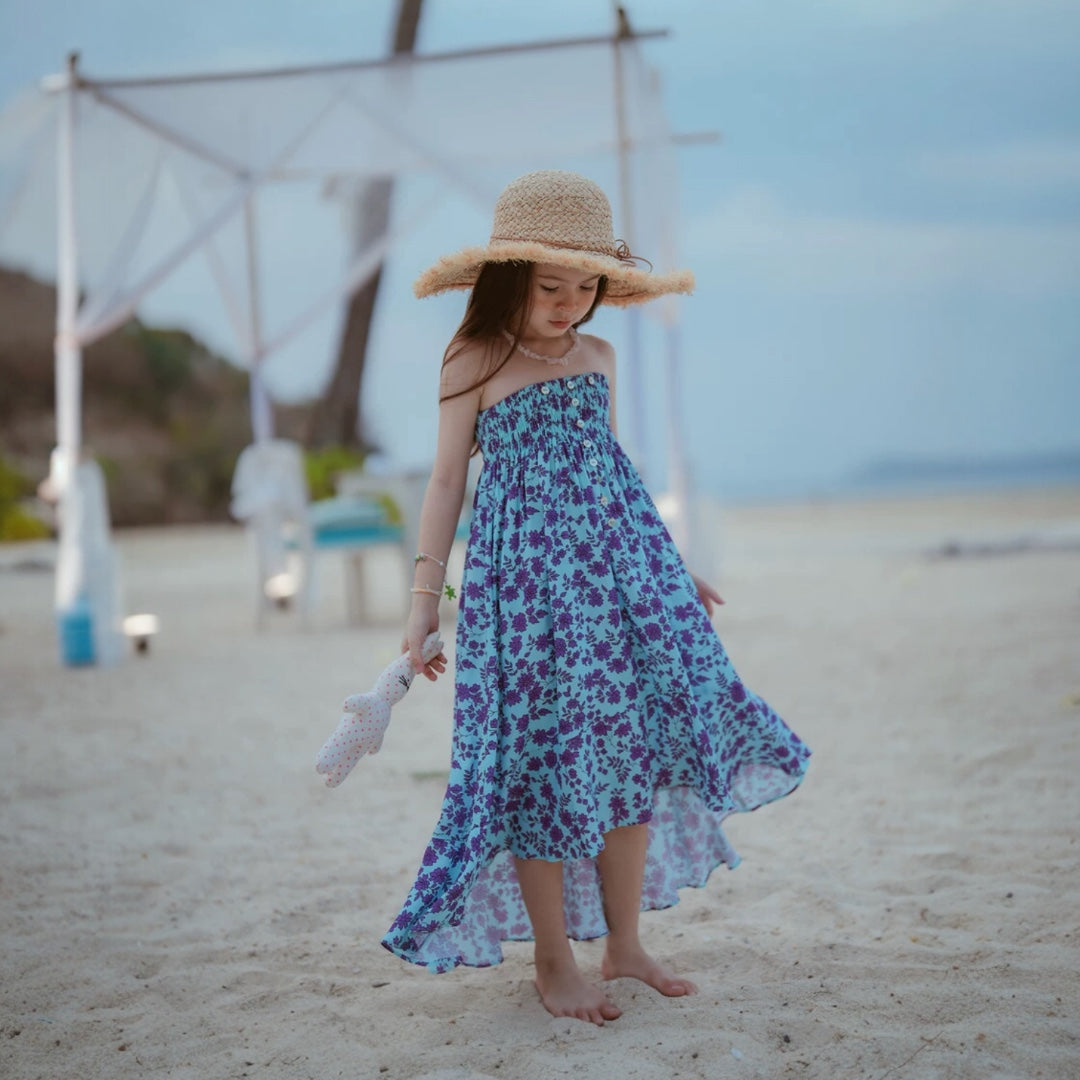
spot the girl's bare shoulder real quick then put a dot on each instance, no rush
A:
(467, 364)
(601, 354)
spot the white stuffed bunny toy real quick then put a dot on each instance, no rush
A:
(365, 717)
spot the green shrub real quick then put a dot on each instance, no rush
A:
(13, 486)
(391, 509)
(17, 524)
(322, 467)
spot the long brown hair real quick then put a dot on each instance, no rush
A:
(500, 299)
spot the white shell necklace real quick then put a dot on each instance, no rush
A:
(563, 361)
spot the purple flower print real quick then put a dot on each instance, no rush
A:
(591, 691)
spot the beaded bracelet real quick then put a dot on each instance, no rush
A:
(422, 555)
(447, 590)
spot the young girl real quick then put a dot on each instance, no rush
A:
(601, 734)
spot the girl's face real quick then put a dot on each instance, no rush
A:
(560, 298)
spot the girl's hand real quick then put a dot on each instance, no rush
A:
(707, 593)
(423, 620)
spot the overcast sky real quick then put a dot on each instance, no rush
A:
(886, 242)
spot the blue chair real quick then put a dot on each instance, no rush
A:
(270, 495)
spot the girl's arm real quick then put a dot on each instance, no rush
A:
(707, 593)
(441, 508)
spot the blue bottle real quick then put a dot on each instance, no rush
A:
(76, 626)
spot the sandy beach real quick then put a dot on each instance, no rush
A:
(180, 895)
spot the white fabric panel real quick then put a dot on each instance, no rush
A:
(290, 133)
(458, 127)
(27, 134)
(87, 568)
(553, 102)
(163, 170)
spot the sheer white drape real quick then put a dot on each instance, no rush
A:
(246, 171)
(165, 169)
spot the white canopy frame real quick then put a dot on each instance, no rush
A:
(217, 173)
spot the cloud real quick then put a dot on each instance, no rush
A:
(751, 235)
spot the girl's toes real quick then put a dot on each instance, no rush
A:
(610, 1012)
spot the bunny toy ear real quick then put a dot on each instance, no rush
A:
(433, 645)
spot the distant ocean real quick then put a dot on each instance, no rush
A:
(916, 476)
(969, 473)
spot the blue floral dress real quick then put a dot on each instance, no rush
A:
(591, 691)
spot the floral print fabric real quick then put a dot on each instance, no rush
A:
(591, 691)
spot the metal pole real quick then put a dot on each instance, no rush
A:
(368, 65)
(638, 435)
(262, 415)
(678, 478)
(73, 605)
(68, 353)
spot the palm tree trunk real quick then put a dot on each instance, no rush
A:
(337, 417)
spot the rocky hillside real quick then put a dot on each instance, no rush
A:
(165, 417)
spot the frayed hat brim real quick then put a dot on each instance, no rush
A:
(627, 283)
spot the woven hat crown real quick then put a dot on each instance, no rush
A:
(560, 209)
(556, 217)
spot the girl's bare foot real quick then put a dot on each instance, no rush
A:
(633, 962)
(566, 992)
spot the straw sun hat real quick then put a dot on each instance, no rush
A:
(561, 218)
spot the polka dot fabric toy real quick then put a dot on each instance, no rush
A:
(365, 717)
